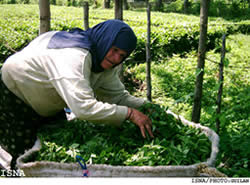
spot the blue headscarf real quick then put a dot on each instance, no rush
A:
(98, 40)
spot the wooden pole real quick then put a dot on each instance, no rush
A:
(221, 78)
(148, 55)
(119, 15)
(86, 15)
(118, 10)
(201, 61)
(44, 8)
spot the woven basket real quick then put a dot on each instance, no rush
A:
(54, 169)
(5, 159)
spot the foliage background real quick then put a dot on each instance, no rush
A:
(174, 44)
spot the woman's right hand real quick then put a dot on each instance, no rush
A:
(142, 121)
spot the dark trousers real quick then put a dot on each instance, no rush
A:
(18, 123)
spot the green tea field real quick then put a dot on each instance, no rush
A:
(174, 43)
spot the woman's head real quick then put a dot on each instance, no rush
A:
(125, 40)
(103, 41)
(114, 42)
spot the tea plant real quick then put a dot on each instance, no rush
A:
(174, 143)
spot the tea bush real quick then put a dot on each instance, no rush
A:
(174, 143)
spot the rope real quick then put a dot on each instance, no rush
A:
(211, 172)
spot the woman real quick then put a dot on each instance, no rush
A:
(76, 69)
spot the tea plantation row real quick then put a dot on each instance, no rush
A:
(171, 33)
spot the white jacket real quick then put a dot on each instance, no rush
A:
(51, 79)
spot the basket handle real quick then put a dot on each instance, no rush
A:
(83, 166)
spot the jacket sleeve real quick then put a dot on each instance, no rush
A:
(70, 75)
(113, 91)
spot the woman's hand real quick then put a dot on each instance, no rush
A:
(141, 120)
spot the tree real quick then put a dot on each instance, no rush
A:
(69, 3)
(106, 4)
(248, 3)
(53, 2)
(186, 6)
(201, 60)
(44, 7)
(125, 4)
(95, 3)
(159, 5)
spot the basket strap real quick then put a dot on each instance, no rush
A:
(83, 166)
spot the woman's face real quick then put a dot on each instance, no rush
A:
(113, 57)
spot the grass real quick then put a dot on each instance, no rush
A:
(173, 85)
